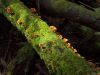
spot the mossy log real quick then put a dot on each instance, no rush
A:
(79, 13)
(57, 54)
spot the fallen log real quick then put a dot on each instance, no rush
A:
(72, 11)
(59, 57)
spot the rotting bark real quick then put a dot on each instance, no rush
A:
(58, 56)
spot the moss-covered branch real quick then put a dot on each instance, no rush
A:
(74, 12)
(58, 56)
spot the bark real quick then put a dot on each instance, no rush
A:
(59, 57)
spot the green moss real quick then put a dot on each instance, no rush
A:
(59, 58)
